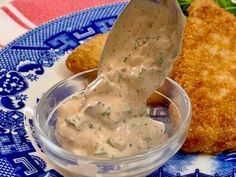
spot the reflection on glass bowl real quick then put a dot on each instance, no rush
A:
(169, 104)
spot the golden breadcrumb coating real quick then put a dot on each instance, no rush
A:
(87, 55)
(206, 69)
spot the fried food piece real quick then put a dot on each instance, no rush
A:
(87, 55)
(206, 69)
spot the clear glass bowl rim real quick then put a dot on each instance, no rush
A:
(69, 155)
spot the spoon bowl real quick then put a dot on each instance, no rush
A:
(139, 22)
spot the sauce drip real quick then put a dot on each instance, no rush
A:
(110, 118)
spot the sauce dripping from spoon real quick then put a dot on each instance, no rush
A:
(110, 118)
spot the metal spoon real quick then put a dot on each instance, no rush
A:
(139, 19)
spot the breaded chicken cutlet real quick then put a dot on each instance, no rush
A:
(87, 55)
(206, 69)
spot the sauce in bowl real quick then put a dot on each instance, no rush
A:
(110, 118)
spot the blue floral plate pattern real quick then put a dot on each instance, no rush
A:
(33, 63)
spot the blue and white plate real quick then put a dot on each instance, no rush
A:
(32, 64)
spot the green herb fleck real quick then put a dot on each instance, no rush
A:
(72, 120)
(129, 111)
(100, 151)
(75, 97)
(90, 126)
(144, 114)
(126, 58)
(110, 142)
(160, 61)
(139, 42)
(148, 139)
(106, 113)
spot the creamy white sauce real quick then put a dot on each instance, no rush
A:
(110, 118)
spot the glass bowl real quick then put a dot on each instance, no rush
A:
(169, 104)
